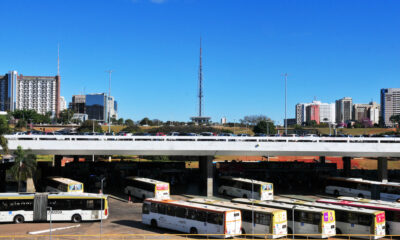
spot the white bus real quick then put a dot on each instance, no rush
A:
(365, 223)
(193, 218)
(357, 187)
(392, 210)
(261, 221)
(31, 207)
(146, 188)
(60, 184)
(245, 188)
(308, 221)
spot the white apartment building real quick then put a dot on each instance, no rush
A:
(390, 104)
(326, 112)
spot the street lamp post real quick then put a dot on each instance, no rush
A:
(51, 210)
(101, 207)
(252, 208)
(293, 221)
(285, 102)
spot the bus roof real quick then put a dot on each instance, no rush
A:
(325, 205)
(279, 205)
(148, 180)
(360, 180)
(190, 205)
(64, 180)
(375, 204)
(233, 205)
(14, 195)
(244, 180)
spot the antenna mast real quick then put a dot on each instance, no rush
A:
(200, 84)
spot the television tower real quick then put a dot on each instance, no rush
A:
(200, 84)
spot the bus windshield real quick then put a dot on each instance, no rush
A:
(266, 187)
(75, 187)
(162, 186)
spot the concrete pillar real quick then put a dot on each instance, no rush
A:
(76, 158)
(346, 166)
(382, 169)
(57, 161)
(206, 175)
(2, 179)
(322, 159)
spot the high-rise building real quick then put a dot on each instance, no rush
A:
(63, 104)
(312, 113)
(368, 111)
(390, 104)
(40, 93)
(97, 107)
(78, 103)
(326, 112)
(344, 109)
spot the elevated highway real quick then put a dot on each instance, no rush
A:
(206, 146)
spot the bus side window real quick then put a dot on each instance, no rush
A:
(352, 217)
(145, 208)
(341, 216)
(201, 216)
(181, 212)
(153, 208)
(246, 216)
(214, 218)
(316, 218)
(263, 219)
(297, 216)
(191, 214)
(364, 219)
(171, 210)
(161, 208)
(238, 185)
(396, 216)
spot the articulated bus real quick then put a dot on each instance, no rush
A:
(60, 184)
(193, 218)
(392, 210)
(357, 187)
(245, 188)
(146, 188)
(308, 221)
(350, 220)
(35, 207)
(262, 221)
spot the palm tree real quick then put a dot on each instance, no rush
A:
(24, 166)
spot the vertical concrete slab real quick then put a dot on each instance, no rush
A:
(382, 169)
(57, 161)
(346, 166)
(206, 173)
(322, 159)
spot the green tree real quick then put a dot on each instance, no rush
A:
(24, 166)
(4, 129)
(265, 127)
(21, 124)
(129, 122)
(120, 121)
(395, 119)
(146, 121)
(89, 125)
(66, 116)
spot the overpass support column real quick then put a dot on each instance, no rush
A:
(206, 173)
(57, 161)
(346, 166)
(382, 169)
(2, 178)
(322, 159)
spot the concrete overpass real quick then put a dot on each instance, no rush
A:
(206, 147)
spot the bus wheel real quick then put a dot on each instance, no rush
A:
(336, 193)
(144, 197)
(224, 193)
(76, 218)
(193, 230)
(244, 196)
(338, 231)
(153, 223)
(19, 219)
(289, 231)
(243, 231)
(360, 195)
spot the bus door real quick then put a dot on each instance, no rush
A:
(40, 207)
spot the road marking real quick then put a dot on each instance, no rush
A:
(53, 229)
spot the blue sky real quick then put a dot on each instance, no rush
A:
(330, 49)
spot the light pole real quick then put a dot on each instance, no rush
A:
(252, 208)
(101, 207)
(294, 206)
(51, 209)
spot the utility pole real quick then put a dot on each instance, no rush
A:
(108, 100)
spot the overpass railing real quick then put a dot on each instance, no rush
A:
(349, 140)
